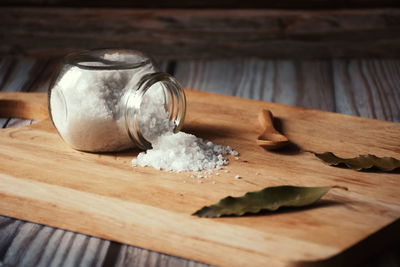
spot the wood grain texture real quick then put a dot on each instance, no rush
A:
(21, 74)
(300, 83)
(33, 245)
(303, 4)
(211, 33)
(133, 256)
(29, 244)
(14, 105)
(314, 87)
(366, 88)
(60, 247)
(163, 222)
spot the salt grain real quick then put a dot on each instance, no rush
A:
(238, 176)
(86, 106)
(177, 152)
(96, 120)
(234, 153)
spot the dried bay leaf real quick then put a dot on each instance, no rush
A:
(270, 198)
(362, 162)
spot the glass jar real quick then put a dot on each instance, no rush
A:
(97, 96)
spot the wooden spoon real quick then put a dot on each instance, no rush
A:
(270, 138)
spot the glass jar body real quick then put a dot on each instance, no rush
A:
(96, 97)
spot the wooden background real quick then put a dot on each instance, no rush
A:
(340, 56)
(284, 4)
(205, 29)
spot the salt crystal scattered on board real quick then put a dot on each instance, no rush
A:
(171, 151)
(180, 151)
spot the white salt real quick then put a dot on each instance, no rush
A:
(183, 152)
(153, 117)
(234, 153)
(88, 111)
(86, 105)
(175, 151)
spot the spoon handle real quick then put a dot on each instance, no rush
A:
(265, 119)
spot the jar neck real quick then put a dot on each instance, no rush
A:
(174, 104)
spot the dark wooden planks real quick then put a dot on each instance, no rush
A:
(35, 245)
(303, 4)
(315, 85)
(8, 230)
(132, 256)
(204, 33)
(302, 83)
(367, 88)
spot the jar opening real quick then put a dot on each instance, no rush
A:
(108, 59)
(146, 120)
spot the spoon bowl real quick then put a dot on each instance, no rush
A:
(270, 138)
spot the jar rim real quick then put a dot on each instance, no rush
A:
(94, 59)
(176, 105)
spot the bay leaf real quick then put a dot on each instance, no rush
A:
(270, 198)
(362, 162)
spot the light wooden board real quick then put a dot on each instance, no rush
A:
(45, 181)
(31, 245)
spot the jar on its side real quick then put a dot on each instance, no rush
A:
(99, 100)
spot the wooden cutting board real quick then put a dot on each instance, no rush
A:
(43, 180)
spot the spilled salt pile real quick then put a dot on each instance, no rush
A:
(184, 152)
(174, 151)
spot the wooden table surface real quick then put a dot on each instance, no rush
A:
(363, 87)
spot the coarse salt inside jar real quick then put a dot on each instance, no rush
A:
(111, 100)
